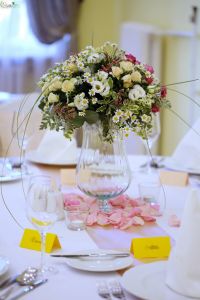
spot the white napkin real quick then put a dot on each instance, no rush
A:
(55, 148)
(187, 153)
(183, 269)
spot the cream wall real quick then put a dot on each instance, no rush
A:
(102, 19)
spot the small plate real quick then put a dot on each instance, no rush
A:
(4, 265)
(35, 157)
(174, 165)
(99, 264)
(12, 176)
(147, 281)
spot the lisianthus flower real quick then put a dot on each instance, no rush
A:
(136, 92)
(149, 68)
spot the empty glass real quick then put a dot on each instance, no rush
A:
(22, 131)
(76, 217)
(42, 208)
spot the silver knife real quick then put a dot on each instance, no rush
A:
(124, 254)
(28, 289)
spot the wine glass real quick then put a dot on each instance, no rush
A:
(22, 131)
(102, 171)
(42, 208)
(151, 139)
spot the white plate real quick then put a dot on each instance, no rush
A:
(174, 165)
(147, 281)
(35, 157)
(4, 265)
(99, 264)
(13, 176)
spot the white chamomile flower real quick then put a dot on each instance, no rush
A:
(86, 75)
(145, 118)
(119, 113)
(81, 114)
(80, 102)
(91, 92)
(90, 80)
(115, 119)
(94, 100)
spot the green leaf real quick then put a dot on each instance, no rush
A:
(77, 122)
(110, 82)
(91, 116)
(101, 108)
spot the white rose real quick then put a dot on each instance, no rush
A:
(98, 86)
(53, 98)
(126, 66)
(116, 71)
(127, 81)
(136, 76)
(68, 85)
(55, 85)
(102, 75)
(136, 92)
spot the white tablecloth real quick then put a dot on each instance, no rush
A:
(68, 283)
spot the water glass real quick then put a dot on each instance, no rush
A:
(150, 192)
(76, 217)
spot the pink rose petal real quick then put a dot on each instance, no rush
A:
(102, 219)
(92, 219)
(137, 221)
(115, 217)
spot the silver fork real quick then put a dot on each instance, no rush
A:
(6, 293)
(103, 290)
(116, 290)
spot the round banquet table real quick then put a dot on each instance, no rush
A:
(68, 283)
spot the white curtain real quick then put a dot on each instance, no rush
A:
(23, 59)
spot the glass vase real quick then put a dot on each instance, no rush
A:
(102, 171)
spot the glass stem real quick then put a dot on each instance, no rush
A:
(43, 247)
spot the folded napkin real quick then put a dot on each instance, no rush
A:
(55, 148)
(187, 153)
(183, 271)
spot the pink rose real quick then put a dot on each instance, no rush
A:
(163, 91)
(130, 58)
(149, 68)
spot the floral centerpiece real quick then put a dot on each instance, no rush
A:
(102, 84)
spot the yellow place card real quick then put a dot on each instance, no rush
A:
(68, 176)
(31, 239)
(174, 178)
(151, 247)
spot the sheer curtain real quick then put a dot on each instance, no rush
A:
(23, 58)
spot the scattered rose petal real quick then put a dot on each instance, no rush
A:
(115, 217)
(174, 221)
(102, 219)
(137, 221)
(92, 219)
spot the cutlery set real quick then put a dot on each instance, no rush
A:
(93, 255)
(28, 278)
(113, 288)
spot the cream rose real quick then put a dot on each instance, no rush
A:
(126, 66)
(127, 81)
(55, 85)
(45, 90)
(136, 76)
(136, 92)
(116, 71)
(53, 98)
(68, 85)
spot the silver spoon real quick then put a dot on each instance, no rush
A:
(27, 277)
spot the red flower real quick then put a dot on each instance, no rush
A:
(149, 80)
(131, 58)
(149, 68)
(155, 108)
(163, 91)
